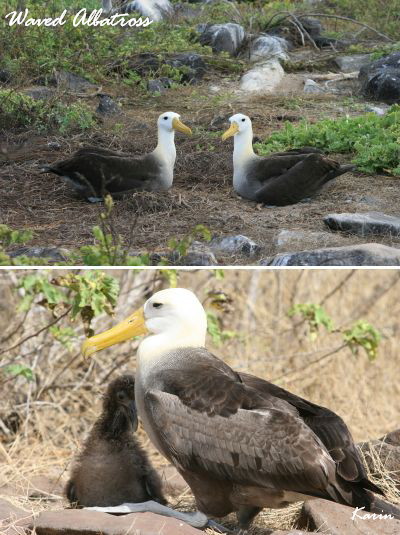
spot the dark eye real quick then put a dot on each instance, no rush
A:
(157, 305)
(243, 120)
(121, 395)
(165, 118)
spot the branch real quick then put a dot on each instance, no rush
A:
(340, 17)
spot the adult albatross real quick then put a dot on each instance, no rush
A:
(240, 442)
(94, 172)
(281, 178)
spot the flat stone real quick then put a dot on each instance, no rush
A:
(369, 254)
(39, 92)
(263, 77)
(312, 87)
(84, 522)
(223, 37)
(352, 63)
(52, 254)
(240, 245)
(72, 82)
(335, 519)
(364, 224)
(287, 239)
(13, 520)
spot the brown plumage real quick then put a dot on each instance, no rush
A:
(113, 468)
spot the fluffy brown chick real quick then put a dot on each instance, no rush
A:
(113, 468)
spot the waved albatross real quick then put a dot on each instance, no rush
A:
(279, 179)
(240, 442)
(94, 172)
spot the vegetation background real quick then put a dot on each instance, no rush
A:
(288, 326)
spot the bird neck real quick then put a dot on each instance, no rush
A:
(165, 149)
(243, 146)
(153, 348)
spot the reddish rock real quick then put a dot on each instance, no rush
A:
(173, 482)
(13, 521)
(81, 522)
(335, 519)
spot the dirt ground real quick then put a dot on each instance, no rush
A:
(202, 192)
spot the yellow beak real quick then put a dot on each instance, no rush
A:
(178, 125)
(233, 129)
(134, 325)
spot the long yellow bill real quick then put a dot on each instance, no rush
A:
(178, 125)
(134, 325)
(233, 129)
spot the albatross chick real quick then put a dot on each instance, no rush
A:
(281, 178)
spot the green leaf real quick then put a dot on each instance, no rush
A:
(19, 370)
(363, 335)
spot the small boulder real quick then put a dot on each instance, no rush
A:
(312, 87)
(51, 254)
(39, 92)
(156, 10)
(365, 224)
(369, 254)
(266, 47)
(107, 106)
(158, 85)
(235, 245)
(263, 77)
(380, 80)
(288, 239)
(352, 63)
(223, 37)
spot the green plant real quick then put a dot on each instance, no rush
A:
(181, 246)
(373, 139)
(20, 370)
(363, 335)
(315, 315)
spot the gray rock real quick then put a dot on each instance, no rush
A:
(84, 522)
(379, 110)
(156, 10)
(156, 86)
(330, 517)
(39, 92)
(287, 239)
(312, 87)
(264, 77)
(107, 106)
(266, 47)
(380, 80)
(223, 37)
(369, 254)
(352, 63)
(239, 245)
(52, 254)
(191, 65)
(72, 82)
(365, 224)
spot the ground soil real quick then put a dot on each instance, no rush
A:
(202, 192)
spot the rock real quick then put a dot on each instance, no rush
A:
(266, 47)
(335, 519)
(369, 254)
(156, 86)
(83, 522)
(392, 438)
(379, 110)
(192, 65)
(107, 106)
(235, 245)
(173, 482)
(13, 520)
(5, 76)
(156, 10)
(380, 453)
(198, 254)
(69, 81)
(223, 37)
(380, 80)
(312, 87)
(263, 77)
(38, 92)
(352, 63)
(52, 254)
(365, 224)
(287, 239)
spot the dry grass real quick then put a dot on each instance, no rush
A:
(57, 410)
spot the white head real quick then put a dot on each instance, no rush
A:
(169, 121)
(172, 318)
(240, 124)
